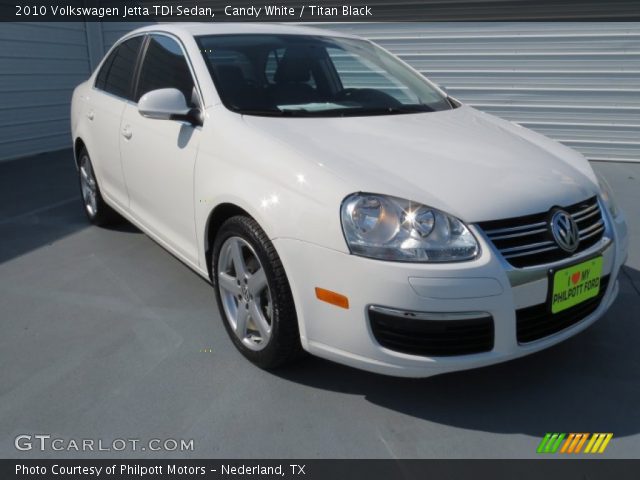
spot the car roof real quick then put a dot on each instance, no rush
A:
(222, 28)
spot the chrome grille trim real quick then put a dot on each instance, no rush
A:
(579, 217)
(527, 247)
(521, 276)
(600, 230)
(588, 209)
(527, 241)
(522, 234)
(595, 226)
(513, 229)
(532, 252)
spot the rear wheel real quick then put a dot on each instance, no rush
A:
(96, 209)
(253, 294)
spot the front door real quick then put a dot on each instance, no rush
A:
(158, 156)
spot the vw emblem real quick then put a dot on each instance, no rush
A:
(565, 231)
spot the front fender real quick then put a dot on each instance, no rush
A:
(289, 195)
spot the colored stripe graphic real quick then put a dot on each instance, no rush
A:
(543, 443)
(598, 442)
(574, 442)
(550, 443)
(606, 442)
(582, 441)
(567, 442)
(556, 445)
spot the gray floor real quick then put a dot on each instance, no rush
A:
(105, 335)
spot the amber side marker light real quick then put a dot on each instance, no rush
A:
(332, 297)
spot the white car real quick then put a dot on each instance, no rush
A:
(342, 204)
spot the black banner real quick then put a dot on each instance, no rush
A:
(317, 11)
(576, 469)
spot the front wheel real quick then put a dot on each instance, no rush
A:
(253, 294)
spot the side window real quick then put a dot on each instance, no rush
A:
(101, 79)
(117, 72)
(165, 66)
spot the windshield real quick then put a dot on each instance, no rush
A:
(306, 75)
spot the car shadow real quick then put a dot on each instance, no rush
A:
(590, 383)
(40, 203)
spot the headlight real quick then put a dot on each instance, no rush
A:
(390, 228)
(607, 197)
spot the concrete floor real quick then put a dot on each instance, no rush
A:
(105, 335)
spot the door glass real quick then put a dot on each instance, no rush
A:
(117, 72)
(165, 66)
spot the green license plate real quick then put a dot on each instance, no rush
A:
(575, 284)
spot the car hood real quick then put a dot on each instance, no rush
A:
(465, 162)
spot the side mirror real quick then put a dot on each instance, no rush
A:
(168, 104)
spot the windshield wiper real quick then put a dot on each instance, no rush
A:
(277, 113)
(338, 112)
(265, 113)
(390, 110)
(361, 111)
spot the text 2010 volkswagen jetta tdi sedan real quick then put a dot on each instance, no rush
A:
(341, 203)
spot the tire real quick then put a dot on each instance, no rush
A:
(96, 209)
(258, 288)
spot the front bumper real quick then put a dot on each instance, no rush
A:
(485, 286)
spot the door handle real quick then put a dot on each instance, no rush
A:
(127, 133)
(90, 115)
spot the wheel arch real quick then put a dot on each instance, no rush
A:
(221, 213)
(78, 145)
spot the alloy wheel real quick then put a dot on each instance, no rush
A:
(245, 293)
(88, 186)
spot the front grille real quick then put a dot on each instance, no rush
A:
(527, 241)
(536, 322)
(432, 338)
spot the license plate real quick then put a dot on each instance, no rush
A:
(575, 284)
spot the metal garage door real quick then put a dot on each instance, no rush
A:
(112, 31)
(41, 63)
(576, 82)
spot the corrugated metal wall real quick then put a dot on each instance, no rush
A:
(40, 64)
(112, 31)
(576, 82)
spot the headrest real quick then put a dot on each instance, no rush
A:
(295, 66)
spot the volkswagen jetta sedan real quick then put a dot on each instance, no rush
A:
(342, 204)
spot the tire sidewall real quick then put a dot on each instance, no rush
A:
(240, 227)
(104, 215)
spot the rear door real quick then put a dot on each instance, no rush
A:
(105, 107)
(158, 156)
